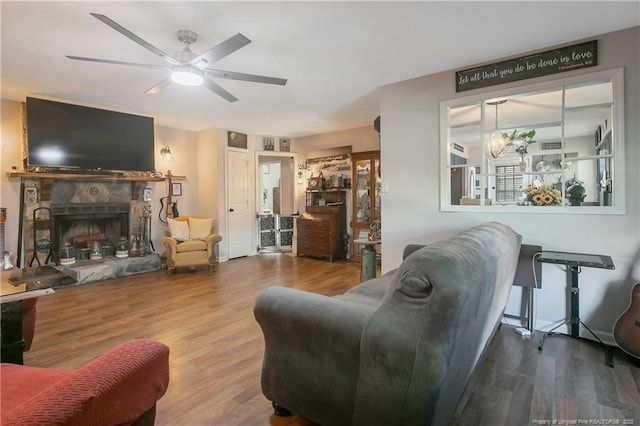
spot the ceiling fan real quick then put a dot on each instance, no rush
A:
(186, 67)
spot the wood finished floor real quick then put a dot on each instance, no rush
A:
(216, 348)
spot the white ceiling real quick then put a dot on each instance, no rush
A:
(335, 55)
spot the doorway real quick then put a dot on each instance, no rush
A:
(276, 200)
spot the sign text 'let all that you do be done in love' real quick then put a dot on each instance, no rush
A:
(568, 58)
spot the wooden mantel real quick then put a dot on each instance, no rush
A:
(46, 179)
(76, 176)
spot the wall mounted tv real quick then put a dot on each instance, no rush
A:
(64, 136)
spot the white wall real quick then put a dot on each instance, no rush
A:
(207, 180)
(183, 146)
(360, 139)
(10, 155)
(410, 158)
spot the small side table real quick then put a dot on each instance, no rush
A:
(369, 255)
(16, 286)
(574, 262)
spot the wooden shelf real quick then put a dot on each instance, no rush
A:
(74, 176)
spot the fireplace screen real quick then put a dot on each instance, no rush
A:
(85, 226)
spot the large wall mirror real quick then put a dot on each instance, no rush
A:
(557, 145)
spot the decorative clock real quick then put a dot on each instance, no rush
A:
(314, 183)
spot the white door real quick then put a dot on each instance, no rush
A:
(238, 218)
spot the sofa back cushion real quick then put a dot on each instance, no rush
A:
(199, 228)
(435, 319)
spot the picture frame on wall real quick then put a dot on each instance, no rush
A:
(285, 144)
(237, 140)
(268, 144)
(176, 189)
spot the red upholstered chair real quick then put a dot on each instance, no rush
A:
(120, 387)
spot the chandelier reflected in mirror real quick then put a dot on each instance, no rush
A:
(497, 139)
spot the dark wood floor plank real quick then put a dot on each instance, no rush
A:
(217, 347)
(626, 389)
(542, 405)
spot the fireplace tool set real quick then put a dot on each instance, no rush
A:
(141, 243)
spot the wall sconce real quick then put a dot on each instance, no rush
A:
(165, 154)
(302, 169)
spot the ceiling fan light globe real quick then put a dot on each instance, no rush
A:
(186, 78)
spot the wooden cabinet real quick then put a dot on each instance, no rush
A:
(366, 185)
(320, 232)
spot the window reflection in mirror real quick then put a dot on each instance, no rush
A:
(575, 124)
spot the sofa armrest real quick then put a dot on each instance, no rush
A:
(115, 388)
(211, 241)
(170, 243)
(171, 250)
(312, 347)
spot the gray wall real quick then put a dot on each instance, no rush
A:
(410, 153)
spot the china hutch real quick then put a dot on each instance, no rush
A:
(366, 186)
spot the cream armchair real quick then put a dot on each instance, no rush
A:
(191, 243)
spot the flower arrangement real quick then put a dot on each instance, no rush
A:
(520, 140)
(543, 195)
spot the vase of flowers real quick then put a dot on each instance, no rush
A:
(523, 164)
(521, 142)
(542, 194)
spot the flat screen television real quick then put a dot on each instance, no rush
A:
(64, 136)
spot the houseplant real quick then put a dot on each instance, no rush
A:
(521, 141)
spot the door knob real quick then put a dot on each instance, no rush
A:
(231, 210)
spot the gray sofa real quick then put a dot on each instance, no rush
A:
(395, 350)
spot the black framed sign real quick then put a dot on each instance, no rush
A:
(237, 140)
(554, 61)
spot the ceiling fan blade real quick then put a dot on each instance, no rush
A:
(125, 32)
(230, 75)
(221, 50)
(109, 61)
(218, 90)
(158, 87)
